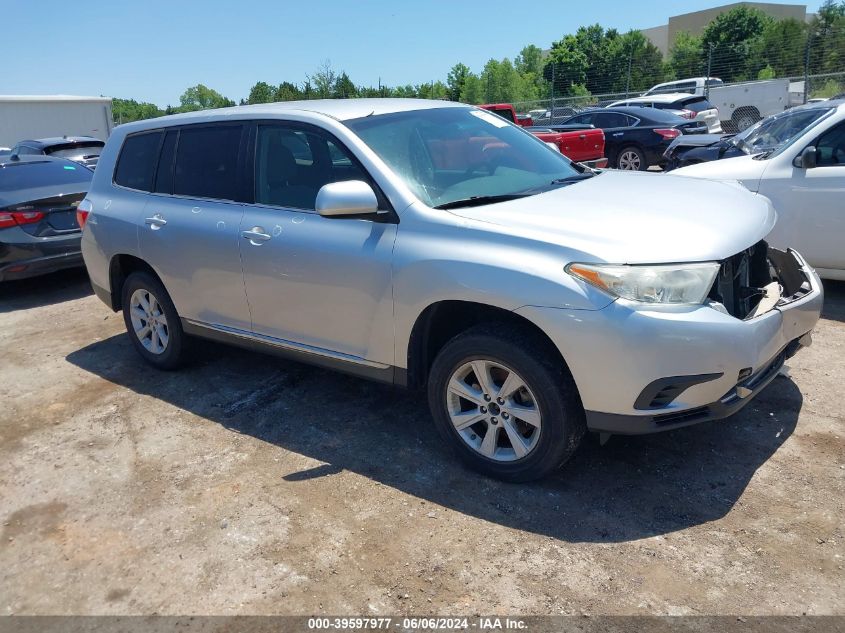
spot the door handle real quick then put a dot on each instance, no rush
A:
(582, 136)
(256, 235)
(156, 222)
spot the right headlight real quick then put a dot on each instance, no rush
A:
(664, 283)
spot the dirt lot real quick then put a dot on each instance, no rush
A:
(246, 484)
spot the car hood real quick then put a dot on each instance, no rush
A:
(746, 169)
(637, 218)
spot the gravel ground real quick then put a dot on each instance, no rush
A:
(247, 484)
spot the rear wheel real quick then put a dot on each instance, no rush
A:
(744, 118)
(152, 322)
(508, 408)
(631, 158)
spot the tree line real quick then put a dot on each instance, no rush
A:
(741, 44)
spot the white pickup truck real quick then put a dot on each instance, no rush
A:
(740, 105)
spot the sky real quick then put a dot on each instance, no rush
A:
(152, 50)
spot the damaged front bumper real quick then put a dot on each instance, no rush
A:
(642, 369)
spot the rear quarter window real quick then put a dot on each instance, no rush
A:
(137, 161)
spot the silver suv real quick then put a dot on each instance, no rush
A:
(426, 243)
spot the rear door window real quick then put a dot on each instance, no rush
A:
(610, 119)
(137, 161)
(583, 119)
(207, 162)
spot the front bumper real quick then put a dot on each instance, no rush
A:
(615, 353)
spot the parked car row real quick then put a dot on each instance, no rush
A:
(636, 138)
(438, 246)
(582, 144)
(633, 138)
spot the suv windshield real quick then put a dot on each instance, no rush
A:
(779, 130)
(452, 155)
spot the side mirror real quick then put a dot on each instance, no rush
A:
(806, 159)
(349, 197)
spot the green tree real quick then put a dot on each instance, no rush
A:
(432, 90)
(566, 66)
(781, 47)
(344, 88)
(287, 92)
(202, 97)
(686, 57)
(324, 80)
(455, 81)
(261, 92)
(641, 59)
(126, 110)
(529, 63)
(473, 91)
(732, 37)
(827, 38)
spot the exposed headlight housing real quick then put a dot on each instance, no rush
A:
(664, 283)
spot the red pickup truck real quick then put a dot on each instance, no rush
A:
(583, 144)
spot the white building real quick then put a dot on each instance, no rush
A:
(41, 116)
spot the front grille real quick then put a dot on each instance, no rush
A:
(741, 279)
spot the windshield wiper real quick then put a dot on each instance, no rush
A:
(765, 154)
(574, 178)
(477, 201)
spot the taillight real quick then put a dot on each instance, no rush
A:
(20, 217)
(85, 207)
(688, 114)
(668, 133)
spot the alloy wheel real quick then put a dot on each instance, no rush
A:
(493, 410)
(149, 321)
(630, 161)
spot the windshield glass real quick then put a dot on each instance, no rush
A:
(77, 151)
(450, 154)
(778, 130)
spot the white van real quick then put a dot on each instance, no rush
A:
(740, 105)
(693, 86)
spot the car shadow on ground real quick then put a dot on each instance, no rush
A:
(45, 290)
(834, 300)
(631, 488)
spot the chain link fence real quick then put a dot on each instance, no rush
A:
(754, 80)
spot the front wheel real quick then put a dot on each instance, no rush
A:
(508, 408)
(152, 322)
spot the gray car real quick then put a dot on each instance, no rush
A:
(431, 244)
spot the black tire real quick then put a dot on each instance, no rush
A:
(563, 422)
(631, 149)
(174, 351)
(744, 117)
